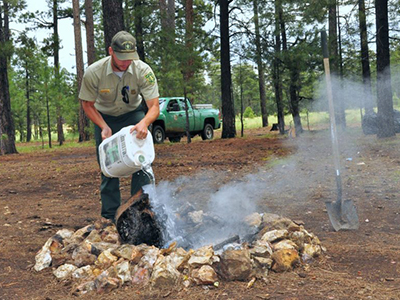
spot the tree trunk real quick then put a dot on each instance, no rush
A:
(189, 63)
(60, 131)
(228, 109)
(294, 96)
(341, 108)
(28, 106)
(7, 129)
(138, 20)
(56, 37)
(334, 59)
(332, 38)
(276, 66)
(163, 13)
(129, 14)
(171, 14)
(167, 39)
(89, 26)
(113, 20)
(46, 94)
(260, 66)
(366, 71)
(188, 72)
(384, 87)
(83, 121)
(189, 138)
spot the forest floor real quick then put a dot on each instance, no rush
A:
(45, 191)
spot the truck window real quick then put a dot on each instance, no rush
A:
(183, 104)
(171, 105)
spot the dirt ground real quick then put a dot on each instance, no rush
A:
(45, 191)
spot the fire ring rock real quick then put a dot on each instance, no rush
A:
(204, 275)
(235, 265)
(285, 260)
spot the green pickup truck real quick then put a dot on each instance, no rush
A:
(171, 123)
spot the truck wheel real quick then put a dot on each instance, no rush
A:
(158, 134)
(175, 139)
(208, 132)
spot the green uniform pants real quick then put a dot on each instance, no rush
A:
(109, 188)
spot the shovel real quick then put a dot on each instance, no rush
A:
(342, 213)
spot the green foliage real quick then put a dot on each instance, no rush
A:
(33, 84)
(248, 113)
(167, 52)
(245, 88)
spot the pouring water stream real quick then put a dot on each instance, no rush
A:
(163, 213)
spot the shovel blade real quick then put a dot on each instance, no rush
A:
(343, 215)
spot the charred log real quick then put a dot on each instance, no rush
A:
(136, 222)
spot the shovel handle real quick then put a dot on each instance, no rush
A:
(335, 145)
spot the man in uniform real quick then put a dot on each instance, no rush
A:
(111, 97)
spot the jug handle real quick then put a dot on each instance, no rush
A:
(139, 142)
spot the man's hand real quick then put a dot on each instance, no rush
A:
(95, 116)
(106, 132)
(141, 130)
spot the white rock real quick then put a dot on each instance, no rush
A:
(149, 257)
(196, 216)
(202, 256)
(43, 257)
(270, 218)
(263, 261)
(254, 219)
(128, 252)
(105, 259)
(205, 275)
(312, 250)
(82, 272)
(179, 257)
(273, 235)
(284, 244)
(261, 249)
(299, 237)
(164, 273)
(94, 237)
(65, 233)
(64, 271)
(124, 271)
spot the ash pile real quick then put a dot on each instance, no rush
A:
(96, 258)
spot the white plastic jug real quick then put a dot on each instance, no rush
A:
(122, 154)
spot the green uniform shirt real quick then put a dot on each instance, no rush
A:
(102, 86)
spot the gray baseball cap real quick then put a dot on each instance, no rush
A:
(124, 46)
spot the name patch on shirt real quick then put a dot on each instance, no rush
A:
(105, 91)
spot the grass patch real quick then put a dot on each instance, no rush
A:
(313, 120)
(38, 146)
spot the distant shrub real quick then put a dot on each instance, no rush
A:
(248, 112)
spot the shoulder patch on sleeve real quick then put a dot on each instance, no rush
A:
(150, 78)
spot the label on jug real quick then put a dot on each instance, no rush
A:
(112, 152)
